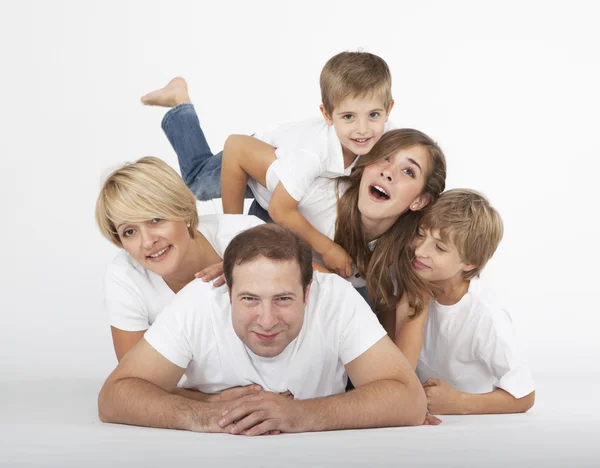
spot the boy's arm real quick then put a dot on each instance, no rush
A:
(283, 210)
(442, 398)
(409, 331)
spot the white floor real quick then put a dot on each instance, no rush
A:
(54, 423)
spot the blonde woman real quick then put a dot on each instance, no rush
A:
(146, 209)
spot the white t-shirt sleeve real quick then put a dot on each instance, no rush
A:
(220, 229)
(499, 349)
(296, 169)
(123, 301)
(357, 326)
(171, 333)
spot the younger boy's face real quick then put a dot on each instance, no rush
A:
(359, 122)
(436, 260)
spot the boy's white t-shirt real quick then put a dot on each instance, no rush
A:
(472, 345)
(195, 332)
(134, 296)
(309, 159)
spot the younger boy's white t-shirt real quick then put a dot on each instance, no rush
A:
(134, 296)
(195, 332)
(309, 159)
(472, 345)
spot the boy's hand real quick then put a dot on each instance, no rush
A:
(442, 398)
(338, 260)
(431, 420)
(211, 272)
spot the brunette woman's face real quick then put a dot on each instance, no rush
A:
(159, 245)
(392, 185)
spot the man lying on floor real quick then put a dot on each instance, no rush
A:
(288, 333)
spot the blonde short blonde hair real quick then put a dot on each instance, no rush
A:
(466, 219)
(356, 74)
(148, 188)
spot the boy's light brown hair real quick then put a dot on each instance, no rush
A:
(356, 74)
(466, 219)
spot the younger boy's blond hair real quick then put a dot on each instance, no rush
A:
(466, 219)
(148, 188)
(356, 74)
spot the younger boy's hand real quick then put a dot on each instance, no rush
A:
(442, 398)
(211, 272)
(338, 261)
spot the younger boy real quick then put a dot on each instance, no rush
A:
(470, 362)
(293, 179)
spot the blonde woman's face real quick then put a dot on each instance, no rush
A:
(160, 245)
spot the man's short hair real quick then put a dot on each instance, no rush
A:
(466, 219)
(270, 241)
(356, 74)
(142, 190)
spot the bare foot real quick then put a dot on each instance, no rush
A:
(173, 94)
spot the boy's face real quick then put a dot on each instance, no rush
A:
(358, 122)
(436, 260)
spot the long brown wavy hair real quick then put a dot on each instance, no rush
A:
(387, 269)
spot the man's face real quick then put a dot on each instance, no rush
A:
(359, 122)
(267, 304)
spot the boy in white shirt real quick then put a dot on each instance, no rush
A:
(470, 362)
(356, 102)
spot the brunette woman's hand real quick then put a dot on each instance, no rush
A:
(338, 260)
(211, 272)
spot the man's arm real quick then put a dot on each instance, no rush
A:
(387, 393)
(283, 209)
(140, 392)
(442, 398)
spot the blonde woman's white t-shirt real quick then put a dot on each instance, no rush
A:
(195, 332)
(135, 296)
(472, 345)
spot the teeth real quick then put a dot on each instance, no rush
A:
(159, 253)
(380, 189)
(361, 140)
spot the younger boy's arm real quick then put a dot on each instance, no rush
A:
(283, 210)
(442, 398)
(409, 331)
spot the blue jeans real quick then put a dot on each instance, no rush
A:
(200, 168)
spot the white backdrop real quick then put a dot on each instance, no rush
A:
(509, 89)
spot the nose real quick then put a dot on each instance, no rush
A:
(361, 126)
(387, 174)
(420, 248)
(267, 318)
(148, 237)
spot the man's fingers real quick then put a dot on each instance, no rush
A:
(431, 420)
(249, 421)
(267, 427)
(239, 392)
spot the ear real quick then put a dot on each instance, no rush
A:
(467, 268)
(307, 291)
(326, 116)
(420, 202)
(389, 109)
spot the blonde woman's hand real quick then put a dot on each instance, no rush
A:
(211, 272)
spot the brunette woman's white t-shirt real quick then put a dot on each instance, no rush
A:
(195, 332)
(134, 296)
(472, 345)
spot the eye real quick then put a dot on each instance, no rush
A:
(156, 220)
(387, 159)
(373, 115)
(347, 117)
(440, 248)
(420, 233)
(284, 299)
(128, 233)
(249, 299)
(409, 172)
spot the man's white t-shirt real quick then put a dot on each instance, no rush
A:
(134, 296)
(309, 159)
(195, 332)
(472, 345)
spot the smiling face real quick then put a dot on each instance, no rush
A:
(160, 245)
(359, 123)
(394, 184)
(437, 259)
(267, 304)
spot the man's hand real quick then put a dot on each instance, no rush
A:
(443, 398)
(211, 272)
(264, 413)
(338, 260)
